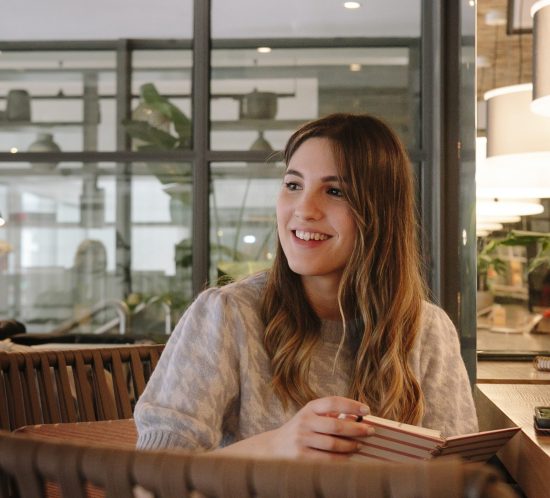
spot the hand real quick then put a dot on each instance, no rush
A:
(313, 432)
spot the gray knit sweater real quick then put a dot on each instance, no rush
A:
(211, 386)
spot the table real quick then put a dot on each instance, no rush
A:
(495, 341)
(510, 372)
(122, 433)
(527, 455)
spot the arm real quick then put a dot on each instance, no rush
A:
(196, 381)
(314, 432)
(444, 380)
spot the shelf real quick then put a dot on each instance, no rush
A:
(257, 124)
(39, 125)
(53, 225)
(225, 125)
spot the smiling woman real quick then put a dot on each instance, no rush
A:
(339, 324)
(315, 225)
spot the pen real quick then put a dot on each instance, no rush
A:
(349, 416)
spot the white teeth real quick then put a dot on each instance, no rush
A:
(301, 234)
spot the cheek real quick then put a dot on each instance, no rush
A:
(281, 209)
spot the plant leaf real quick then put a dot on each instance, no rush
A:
(182, 124)
(147, 133)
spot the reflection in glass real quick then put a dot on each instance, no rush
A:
(275, 93)
(70, 97)
(68, 251)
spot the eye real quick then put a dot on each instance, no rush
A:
(292, 186)
(336, 192)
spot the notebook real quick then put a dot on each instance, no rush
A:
(400, 442)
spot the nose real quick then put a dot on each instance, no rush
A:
(308, 207)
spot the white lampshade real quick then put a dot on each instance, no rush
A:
(483, 229)
(498, 218)
(540, 12)
(518, 146)
(503, 209)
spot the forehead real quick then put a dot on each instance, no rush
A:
(314, 156)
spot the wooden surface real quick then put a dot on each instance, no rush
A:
(510, 372)
(527, 455)
(498, 341)
(121, 433)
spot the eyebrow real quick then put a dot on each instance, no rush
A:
(332, 178)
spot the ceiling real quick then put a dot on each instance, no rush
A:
(105, 19)
(502, 59)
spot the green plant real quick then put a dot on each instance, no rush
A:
(488, 256)
(151, 136)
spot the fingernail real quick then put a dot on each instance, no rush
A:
(364, 410)
(370, 431)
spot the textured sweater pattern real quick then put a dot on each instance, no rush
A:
(212, 385)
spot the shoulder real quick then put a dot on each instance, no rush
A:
(247, 289)
(435, 322)
(437, 335)
(245, 292)
(237, 299)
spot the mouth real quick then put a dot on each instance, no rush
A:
(307, 236)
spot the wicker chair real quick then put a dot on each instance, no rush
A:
(73, 385)
(31, 467)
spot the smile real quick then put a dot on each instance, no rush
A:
(301, 234)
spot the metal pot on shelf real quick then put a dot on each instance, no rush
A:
(258, 105)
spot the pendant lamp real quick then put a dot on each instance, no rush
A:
(518, 146)
(508, 207)
(540, 12)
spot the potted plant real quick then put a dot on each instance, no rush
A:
(488, 259)
(158, 124)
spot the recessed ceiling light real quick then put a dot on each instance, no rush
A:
(249, 239)
(472, 3)
(264, 50)
(352, 5)
(13, 150)
(355, 67)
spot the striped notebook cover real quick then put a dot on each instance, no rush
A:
(399, 442)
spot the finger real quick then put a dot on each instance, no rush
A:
(333, 444)
(338, 404)
(340, 427)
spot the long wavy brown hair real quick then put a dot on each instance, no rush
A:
(381, 290)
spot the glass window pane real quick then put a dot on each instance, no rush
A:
(88, 233)
(58, 101)
(167, 72)
(242, 218)
(98, 20)
(314, 18)
(66, 101)
(269, 95)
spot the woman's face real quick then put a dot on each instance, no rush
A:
(314, 222)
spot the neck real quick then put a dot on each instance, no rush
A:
(322, 295)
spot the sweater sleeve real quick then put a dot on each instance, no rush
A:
(449, 405)
(196, 382)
